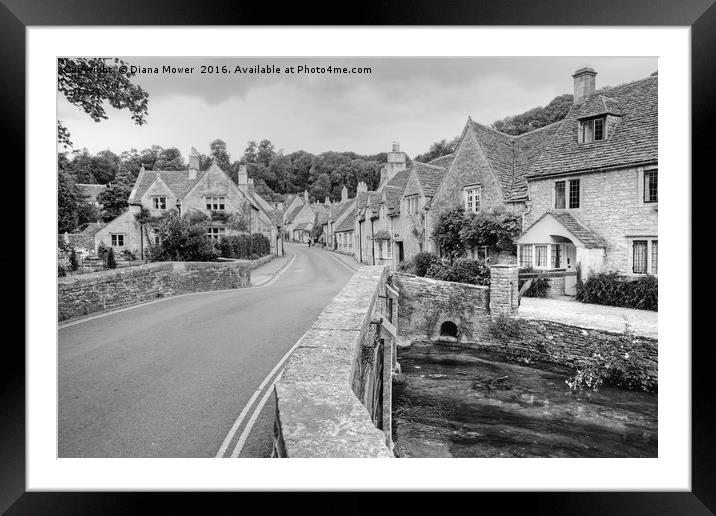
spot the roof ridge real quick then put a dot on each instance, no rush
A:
(537, 129)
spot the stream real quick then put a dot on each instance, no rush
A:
(457, 402)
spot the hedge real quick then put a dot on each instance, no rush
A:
(245, 247)
(610, 288)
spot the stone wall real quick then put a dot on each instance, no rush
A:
(425, 304)
(611, 204)
(333, 391)
(84, 294)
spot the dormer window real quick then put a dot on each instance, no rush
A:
(593, 130)
(472, 197)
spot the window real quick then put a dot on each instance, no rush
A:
(574, 193)
(215, 232)
(472, 199)
(215, 203)
(592, 130)
(655, 257)
(412, 204)
(651, 190)
(556, 256)
(117, 240)
(639, 256)
(541, 256)
(388, 249)
(525, 256)
(598, 129)
(559, 198)
(160, 202)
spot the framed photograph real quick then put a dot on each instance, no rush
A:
(430, 240)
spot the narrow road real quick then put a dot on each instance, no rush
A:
(171, 378)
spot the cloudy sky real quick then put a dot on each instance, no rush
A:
(415, 101)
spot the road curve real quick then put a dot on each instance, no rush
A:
(169, 379)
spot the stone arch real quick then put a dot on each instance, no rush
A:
(448, 330)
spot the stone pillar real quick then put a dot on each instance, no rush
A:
(503, 289)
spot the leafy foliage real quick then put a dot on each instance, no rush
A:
(496, 229)
(73, 209)
(438, 149)
(245, 246)
(463, 270)
(537, 117)
(456, 231)
(623, 364)
(183, 239)
(74, 264)
(420, 263)
(447, 232)
(90, 82)
(505, 328)
(612, 289)
(111, 260)
(538, 288)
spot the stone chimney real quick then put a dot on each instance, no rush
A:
(250, 184)
(243, 175)
(362, 187)
(344, 194)
(327, 201)
(396, 163)
(305, 196)
(583, 83)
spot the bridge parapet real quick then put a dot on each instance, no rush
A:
(333, 399)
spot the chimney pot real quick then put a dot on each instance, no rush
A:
(584, 83)
(193, 159)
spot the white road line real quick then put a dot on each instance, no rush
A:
(242, 415)
(268, 283)
(250, 425)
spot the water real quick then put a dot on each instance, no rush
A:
(466, 403)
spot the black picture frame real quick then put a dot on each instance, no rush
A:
(700, 15)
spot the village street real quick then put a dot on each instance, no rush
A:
(172, 378)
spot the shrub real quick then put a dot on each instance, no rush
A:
(183, 239)
(623, 364)
(504, 327)
(422, 261)
(538, 288)
(74, 264)
(615, 290)
(463, 270)
(111, 261)
(244, 246)
(61, 271)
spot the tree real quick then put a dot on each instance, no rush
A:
(447, 232)
(438, 149)
(89, 82)
(496, 229)
(241, 220)
(221, 156)
(114, 199)
(169, 159)
(111, 261)
(183, 238)
(321, 187)
(73, 209)
(537, 117)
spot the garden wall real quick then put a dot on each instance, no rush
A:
(88, 293)
(334, 397)
(425, 304)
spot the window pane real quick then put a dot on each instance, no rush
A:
(651, 186)
(541, 256)
(556, 256)
(598, 129)
(655, 257)
(574, 193)
(639, 256)
(526, 256)
(559, 199)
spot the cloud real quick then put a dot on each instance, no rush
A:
(414, 100)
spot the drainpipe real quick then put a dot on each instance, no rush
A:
(372, 239)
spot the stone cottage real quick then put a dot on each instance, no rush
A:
(592, 196)
(211, 192)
